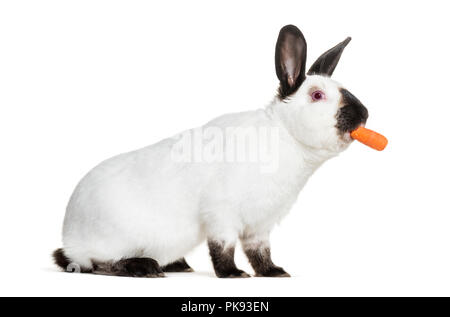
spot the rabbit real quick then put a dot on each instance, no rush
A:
(138, 214)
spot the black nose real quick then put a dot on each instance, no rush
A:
(351, 114)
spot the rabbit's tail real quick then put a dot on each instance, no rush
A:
(60, 259)
(65, 263)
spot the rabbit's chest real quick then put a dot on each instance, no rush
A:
(270, 197)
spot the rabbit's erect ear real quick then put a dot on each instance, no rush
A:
(328, 61)
(290, 59)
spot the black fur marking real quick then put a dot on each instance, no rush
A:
(60, 259)
(178, 266)
(352, 114)
(137, 267)
(328, 61)
(66, 264)
(223, 261)
(262, 263)
(290, 51)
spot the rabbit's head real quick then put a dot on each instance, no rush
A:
(315, 109)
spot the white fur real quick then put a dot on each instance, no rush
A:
(144, 204)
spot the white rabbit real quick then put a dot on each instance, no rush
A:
(140, 213)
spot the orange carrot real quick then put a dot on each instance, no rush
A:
(370, 138)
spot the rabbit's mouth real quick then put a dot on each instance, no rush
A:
(351, 114)
(346, 137)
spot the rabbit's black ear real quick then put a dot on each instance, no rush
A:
(328, 61)
(290, 59)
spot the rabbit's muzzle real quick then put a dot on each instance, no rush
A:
(351, 114)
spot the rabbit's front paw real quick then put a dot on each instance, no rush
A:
(274, 271)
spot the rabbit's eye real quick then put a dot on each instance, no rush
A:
(318, 95)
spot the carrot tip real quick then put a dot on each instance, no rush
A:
(370, 138)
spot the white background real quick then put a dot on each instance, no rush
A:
(81, 81)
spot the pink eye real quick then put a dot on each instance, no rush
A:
(317, 95)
